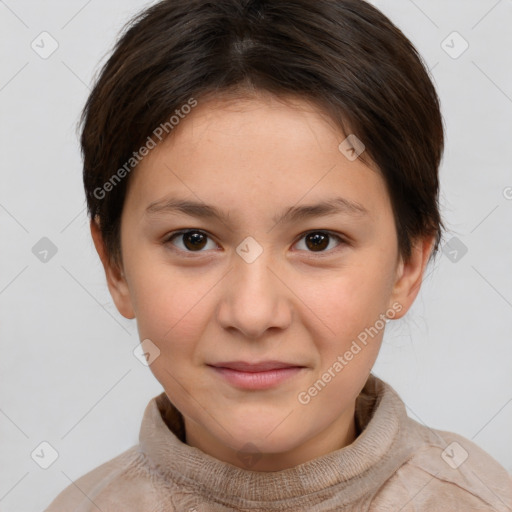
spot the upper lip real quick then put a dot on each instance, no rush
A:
(255, 367)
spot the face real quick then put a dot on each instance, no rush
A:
(289, 255)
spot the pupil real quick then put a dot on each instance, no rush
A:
(194, 240)
(318, 240)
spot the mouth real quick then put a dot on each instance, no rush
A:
(256, 376)
(262, 366)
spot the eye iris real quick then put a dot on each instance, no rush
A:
(318, 241)
(196, 240)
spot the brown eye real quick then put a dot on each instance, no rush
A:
(192, 240)
(318, 241)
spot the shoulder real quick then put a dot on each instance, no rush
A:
(446, 471)
(123, 480)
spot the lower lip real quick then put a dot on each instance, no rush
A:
(257, 380)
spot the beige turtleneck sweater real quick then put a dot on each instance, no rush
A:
(395, 464)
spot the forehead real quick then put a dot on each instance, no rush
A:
(261, 152)
(288, 126)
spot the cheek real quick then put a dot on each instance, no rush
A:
(168, 304)
(171, 311)
(352, 300)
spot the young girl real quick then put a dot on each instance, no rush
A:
(262, 183)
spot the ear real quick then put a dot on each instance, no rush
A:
(409, 275)
(116, 279)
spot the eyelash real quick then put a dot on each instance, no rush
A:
(342, 241)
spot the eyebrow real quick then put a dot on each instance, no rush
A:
(337, 205)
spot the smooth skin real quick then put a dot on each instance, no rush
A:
(202, 303)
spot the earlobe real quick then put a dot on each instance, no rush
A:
(410, 273)
(116, 280)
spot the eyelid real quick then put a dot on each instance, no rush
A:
(343, 240)
(168, 238)
(334, 234)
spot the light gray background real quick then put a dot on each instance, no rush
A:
(68, 374)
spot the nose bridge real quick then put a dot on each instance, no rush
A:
(253, 274)
(254, 298)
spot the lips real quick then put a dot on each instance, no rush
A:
(256, 376)
(263, 366)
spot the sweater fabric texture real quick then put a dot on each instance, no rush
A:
(395, 464)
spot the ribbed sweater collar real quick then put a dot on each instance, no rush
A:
(350, 473)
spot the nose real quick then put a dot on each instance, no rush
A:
(255, 298)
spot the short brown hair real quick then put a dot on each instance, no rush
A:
(344, 55)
